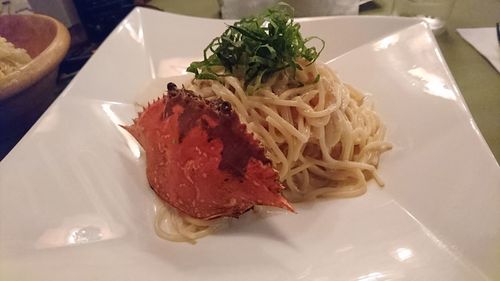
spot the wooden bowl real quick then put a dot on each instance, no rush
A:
(26, 94)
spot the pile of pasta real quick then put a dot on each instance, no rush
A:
(11, 58)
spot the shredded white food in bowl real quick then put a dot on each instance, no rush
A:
(11, 58)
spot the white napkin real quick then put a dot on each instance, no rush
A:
(485, 41)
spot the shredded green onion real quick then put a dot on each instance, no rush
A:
(256, 47)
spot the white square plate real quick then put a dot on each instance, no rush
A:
(75, 203)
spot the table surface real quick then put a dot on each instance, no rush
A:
(478, 81)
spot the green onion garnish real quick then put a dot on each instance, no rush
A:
(256, 47)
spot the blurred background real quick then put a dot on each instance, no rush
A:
(90, 21)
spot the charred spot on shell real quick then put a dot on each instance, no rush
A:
(225, 107)
(171, 86)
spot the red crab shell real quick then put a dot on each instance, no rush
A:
(200, 158)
